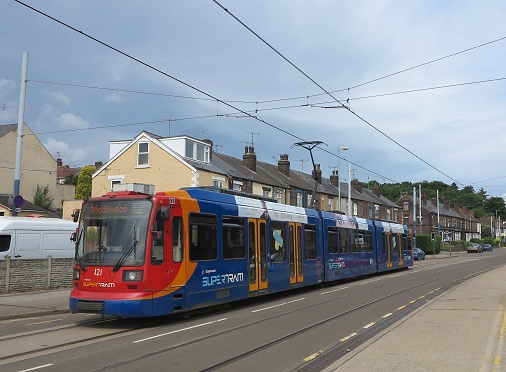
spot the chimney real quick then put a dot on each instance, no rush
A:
(317, 176)
(357, 186)
(98, 164)
(376, 191)
(249, 159)
(456, 208)
(447, 205)
(284, 165)
(424, 199)
(59, 162)
(434, 201)
(471, 212)
(334, 178)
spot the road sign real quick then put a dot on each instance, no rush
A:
(18, 201)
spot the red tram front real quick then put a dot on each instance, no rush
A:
(121, 267)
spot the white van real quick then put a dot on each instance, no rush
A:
(28, 237)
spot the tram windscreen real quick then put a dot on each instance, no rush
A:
(113, 233)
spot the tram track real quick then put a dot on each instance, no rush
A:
(130, 330)
(289, 336)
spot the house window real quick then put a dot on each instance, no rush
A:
(331, 204)
(396, 216)
(143, 153)
(389, 214)
(237, 186)
(355, 209)
(405, 206)
(266, 191)
(299, 199)
(369, 211)
(115, 182)
(218, 182)
(197, 151)
(309, 196)
(277, 196)
(376, 211)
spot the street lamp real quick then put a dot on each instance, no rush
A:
(339, 174)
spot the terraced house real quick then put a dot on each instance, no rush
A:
(174, 162)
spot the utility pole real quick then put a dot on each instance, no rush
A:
(19, 137)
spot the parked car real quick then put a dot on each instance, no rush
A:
(418, 254)
(487, 247)
(474, 247)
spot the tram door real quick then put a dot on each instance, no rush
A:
(296, 263)
(387, 247)
(257, 255)
(400, 248)
(176, 260)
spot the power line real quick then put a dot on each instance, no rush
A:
(227, 103)
(329, 94)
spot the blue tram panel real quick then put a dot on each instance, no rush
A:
(205, 247)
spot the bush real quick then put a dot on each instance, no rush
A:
(424, 242)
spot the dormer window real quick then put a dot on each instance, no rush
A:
(143, 154)
(197, 151)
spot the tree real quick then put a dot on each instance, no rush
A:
(42, 198)
(83, 187)
(71, 179)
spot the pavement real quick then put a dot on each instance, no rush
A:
(462, 329)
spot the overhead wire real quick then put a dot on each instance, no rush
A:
(227, 103)
(329, 94)
(180, 81)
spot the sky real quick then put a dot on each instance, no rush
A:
(422, 82)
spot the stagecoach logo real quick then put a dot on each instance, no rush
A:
(99, 284)
(211, 280)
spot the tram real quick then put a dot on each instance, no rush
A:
(140, 254)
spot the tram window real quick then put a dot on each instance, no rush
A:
(278, 241)
(333, 240)
(353, 241)
(343, 241)
(385, 244)
(177, 239)
(310, 241)
(406, 241)
(252, 253)
(203, 237)
(366, 241)
(158, 241)
(233, 238)
(398, 244)
(393, 243)
(263, 252)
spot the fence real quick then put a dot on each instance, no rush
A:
(36, 274)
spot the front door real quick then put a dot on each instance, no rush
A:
(257, 255)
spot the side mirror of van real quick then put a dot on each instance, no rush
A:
(73, 236)
(75, 215)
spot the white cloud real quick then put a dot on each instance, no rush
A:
(62, 98)
(68, 120)
(114, 98)
(69, 154)
(60, 120)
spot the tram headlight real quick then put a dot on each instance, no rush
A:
(133, 275)
(77, 274)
